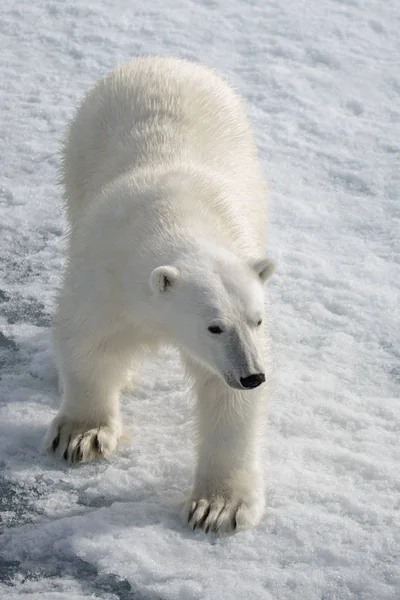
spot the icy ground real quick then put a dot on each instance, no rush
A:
(322, 81)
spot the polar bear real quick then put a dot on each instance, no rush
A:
(166, 206)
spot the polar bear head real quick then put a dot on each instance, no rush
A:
(213, 309)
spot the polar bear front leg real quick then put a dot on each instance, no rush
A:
(88, 424)
(228, 493)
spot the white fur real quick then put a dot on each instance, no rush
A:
(167, 214)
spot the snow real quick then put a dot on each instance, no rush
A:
(322, 82)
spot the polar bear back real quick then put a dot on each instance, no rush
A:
(160, 114)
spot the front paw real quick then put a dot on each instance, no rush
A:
(222, 513)
(79, 442)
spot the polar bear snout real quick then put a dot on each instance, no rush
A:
(245, 383)
(252, 381)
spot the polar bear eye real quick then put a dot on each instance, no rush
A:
(259, 322)
(214, 329)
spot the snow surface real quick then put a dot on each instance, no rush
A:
(322, 81)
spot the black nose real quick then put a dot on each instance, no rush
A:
(252, 381)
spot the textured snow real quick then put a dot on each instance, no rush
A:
(322, 81)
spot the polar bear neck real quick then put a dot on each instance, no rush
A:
(187, 202)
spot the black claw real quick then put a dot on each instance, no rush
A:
(190, 515)
(234, 519)
(201, 522)
(96, 443)
(65, 455)
(213, 528)
(207, 529)
(56, 441)
(77, 454)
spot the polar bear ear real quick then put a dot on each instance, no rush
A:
(264, 267)
(163, 278)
